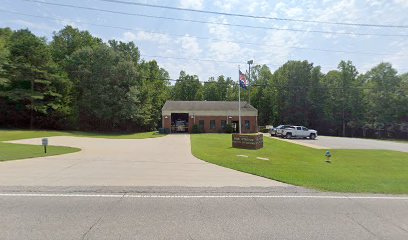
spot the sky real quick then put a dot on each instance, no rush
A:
(214, 45)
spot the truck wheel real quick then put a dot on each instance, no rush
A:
(288, 135)
(313, 136)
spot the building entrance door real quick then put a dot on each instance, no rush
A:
(179, 122)
(235, 125)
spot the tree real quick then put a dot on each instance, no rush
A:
(5, 34)
(211, 90)
(108, 90)
(223, 85)
(383, 96)
(79, 82)
(332, 100)
(316, 98)
(219, 90)
(351, 94)
(154, 91)
(403, 98)
(263, 94)
(293, 83)
(231, 90)
(68, 40)
(342, 100)
(129, 50)
(403, 103)
(187, 88)
(36, 88)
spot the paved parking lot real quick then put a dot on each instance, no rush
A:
(165, 161)
(324, 142)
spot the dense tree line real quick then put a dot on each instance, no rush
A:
(341, 102)
(77, 81)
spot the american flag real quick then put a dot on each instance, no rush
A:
(243, 82)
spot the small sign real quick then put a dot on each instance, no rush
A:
(247, 141)
(45, 144)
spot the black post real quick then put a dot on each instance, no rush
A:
(32, 104)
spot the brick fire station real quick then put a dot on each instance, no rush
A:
(211, 116)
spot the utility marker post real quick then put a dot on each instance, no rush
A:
(45, 144)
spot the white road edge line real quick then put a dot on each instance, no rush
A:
(197, 196)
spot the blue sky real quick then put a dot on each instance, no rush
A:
(192, 41)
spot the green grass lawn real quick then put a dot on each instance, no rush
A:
(374, 171)
(8, 135)
(10, 151)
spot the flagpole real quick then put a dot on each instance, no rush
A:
(239, 99)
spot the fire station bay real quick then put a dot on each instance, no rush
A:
(208, 116)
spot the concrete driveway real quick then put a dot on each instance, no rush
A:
(325, 142)
(165, 161)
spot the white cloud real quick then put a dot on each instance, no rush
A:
(346, 10)
(73, 23)
(276, 47)
(403, 3)
(284, 41)
(200, 68)
(237, 6)
(145, 36)
(280, 6)
(32, 25)
(219, 31)
(195, 4)
(400, 58)
(226, 5)
(223, 51)
(374, 3)
(190, 46)
(294, 12)
(282, 9)
(258, 6)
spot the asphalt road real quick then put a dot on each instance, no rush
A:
(326, 142)
(199, 213)
(80, 196)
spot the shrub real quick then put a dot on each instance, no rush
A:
(195, 129)
(228, 128)
(264, 130)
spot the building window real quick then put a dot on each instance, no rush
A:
(247, 124)
(201, 124)
(212, 124)
(223, 124)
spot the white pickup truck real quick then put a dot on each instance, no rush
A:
(299, 132)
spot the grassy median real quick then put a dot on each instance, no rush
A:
(373, 171)
(11, 151)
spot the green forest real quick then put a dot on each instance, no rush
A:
(75, 81)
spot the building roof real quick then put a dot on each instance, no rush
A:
(195, 106)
